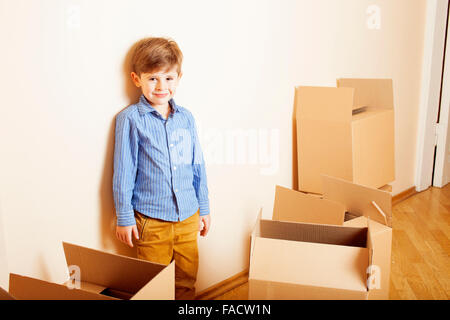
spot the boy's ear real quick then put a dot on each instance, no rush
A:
(179, 75)
(136, 79)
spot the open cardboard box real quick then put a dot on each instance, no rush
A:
(351, 205)
(346, 132)
(103, 276)
(5, 295)
(364, 205)
(386, 187)
(292, 260)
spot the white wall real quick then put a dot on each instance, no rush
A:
(63, 82)
(3, 260)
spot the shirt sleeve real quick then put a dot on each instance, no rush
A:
(125, 168)
(200, 181)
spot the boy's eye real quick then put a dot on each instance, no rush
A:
(152, 79)
(169, 78)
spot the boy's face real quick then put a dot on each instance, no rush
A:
(158, 86)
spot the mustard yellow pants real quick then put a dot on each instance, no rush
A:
(163, 241)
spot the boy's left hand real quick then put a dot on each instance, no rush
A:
(203, 225)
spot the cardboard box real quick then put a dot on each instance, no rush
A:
(103, 276)
(346, 132)
(359, 206)
(382, 245)
(292, 260)
(4, 295)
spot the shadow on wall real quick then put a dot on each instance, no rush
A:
(107, 209)
(43, 268)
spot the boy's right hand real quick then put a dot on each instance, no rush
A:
(124, 234)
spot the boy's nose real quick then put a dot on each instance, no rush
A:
(162, 85)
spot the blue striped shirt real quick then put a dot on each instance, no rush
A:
(158, 165)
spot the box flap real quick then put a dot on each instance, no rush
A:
(161, 287)
(4, 295)
(110, 270)
(256, 231)
(375, 227)
(359, 200)
(324, 103)
(381, 236)
(26, 288)
(378, 280)
(87, 286)
(318, 233)
(370, 247)
(369, 244)
(296, 206)
(376, 93)
(311, 264)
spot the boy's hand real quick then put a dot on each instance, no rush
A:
(203, 225)
(124, 234)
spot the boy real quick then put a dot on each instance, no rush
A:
(159, 182)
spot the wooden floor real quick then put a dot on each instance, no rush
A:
(420, 249)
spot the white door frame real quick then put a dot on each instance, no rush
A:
(433, 54)
(441, 177)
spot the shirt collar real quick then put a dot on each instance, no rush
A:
(144, 106)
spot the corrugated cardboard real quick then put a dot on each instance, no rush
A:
(103, 276)
(361, 205)
(346, 132)
(308, 261)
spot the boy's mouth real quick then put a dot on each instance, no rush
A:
(161, 95)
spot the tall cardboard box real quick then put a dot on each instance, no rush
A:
(103, 276)
(346, 132)
(354, 206)
(296, 261)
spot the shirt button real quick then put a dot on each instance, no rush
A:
(176, 190)
(174, 168)
(171, 145)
